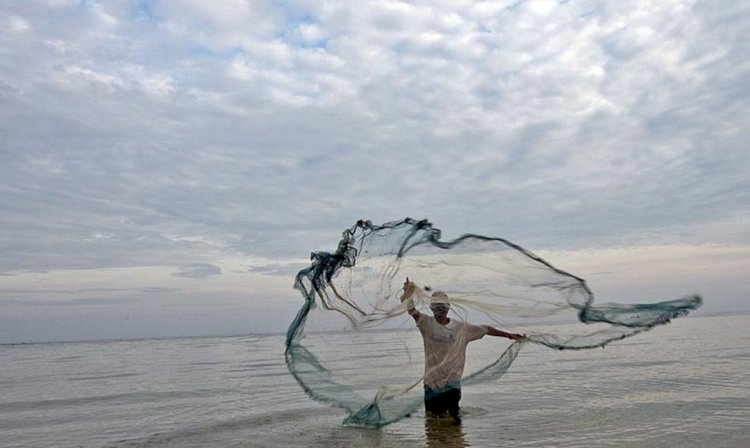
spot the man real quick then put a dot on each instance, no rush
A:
(445, 342)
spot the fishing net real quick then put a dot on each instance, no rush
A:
(354, 345)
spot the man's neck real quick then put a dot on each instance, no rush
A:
(443, 321)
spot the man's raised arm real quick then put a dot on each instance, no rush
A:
(409, 290)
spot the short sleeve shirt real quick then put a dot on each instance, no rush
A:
(445, 349)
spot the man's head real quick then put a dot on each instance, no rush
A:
(440, 305)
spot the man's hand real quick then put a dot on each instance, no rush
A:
(409, 288)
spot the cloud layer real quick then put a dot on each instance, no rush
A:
(183, 133)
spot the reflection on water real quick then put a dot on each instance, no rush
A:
(443, 433)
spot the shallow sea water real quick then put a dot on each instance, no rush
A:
(686, 384)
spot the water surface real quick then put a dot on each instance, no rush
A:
(685, 384)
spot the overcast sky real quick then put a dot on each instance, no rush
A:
(167, 166)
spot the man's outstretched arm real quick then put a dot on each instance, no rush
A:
(492, 331)
(409, 290)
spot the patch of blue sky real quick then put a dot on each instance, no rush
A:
(314, 44)
(143, 10)
(203, 51)
(292, 35)
(293, 39)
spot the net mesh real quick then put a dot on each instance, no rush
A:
(353, 345)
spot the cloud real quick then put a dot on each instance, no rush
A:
(157, 290)
(279, 269)
(198, 271)
(165, 134)
(600, 118)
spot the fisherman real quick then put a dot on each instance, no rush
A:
(445, 342)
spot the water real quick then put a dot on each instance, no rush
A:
(686, 384)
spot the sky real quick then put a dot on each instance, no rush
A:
(166, 167)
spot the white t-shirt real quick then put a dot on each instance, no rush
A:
(445, 349)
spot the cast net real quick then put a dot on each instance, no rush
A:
(353, 344)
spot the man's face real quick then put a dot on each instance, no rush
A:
(439, 310)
